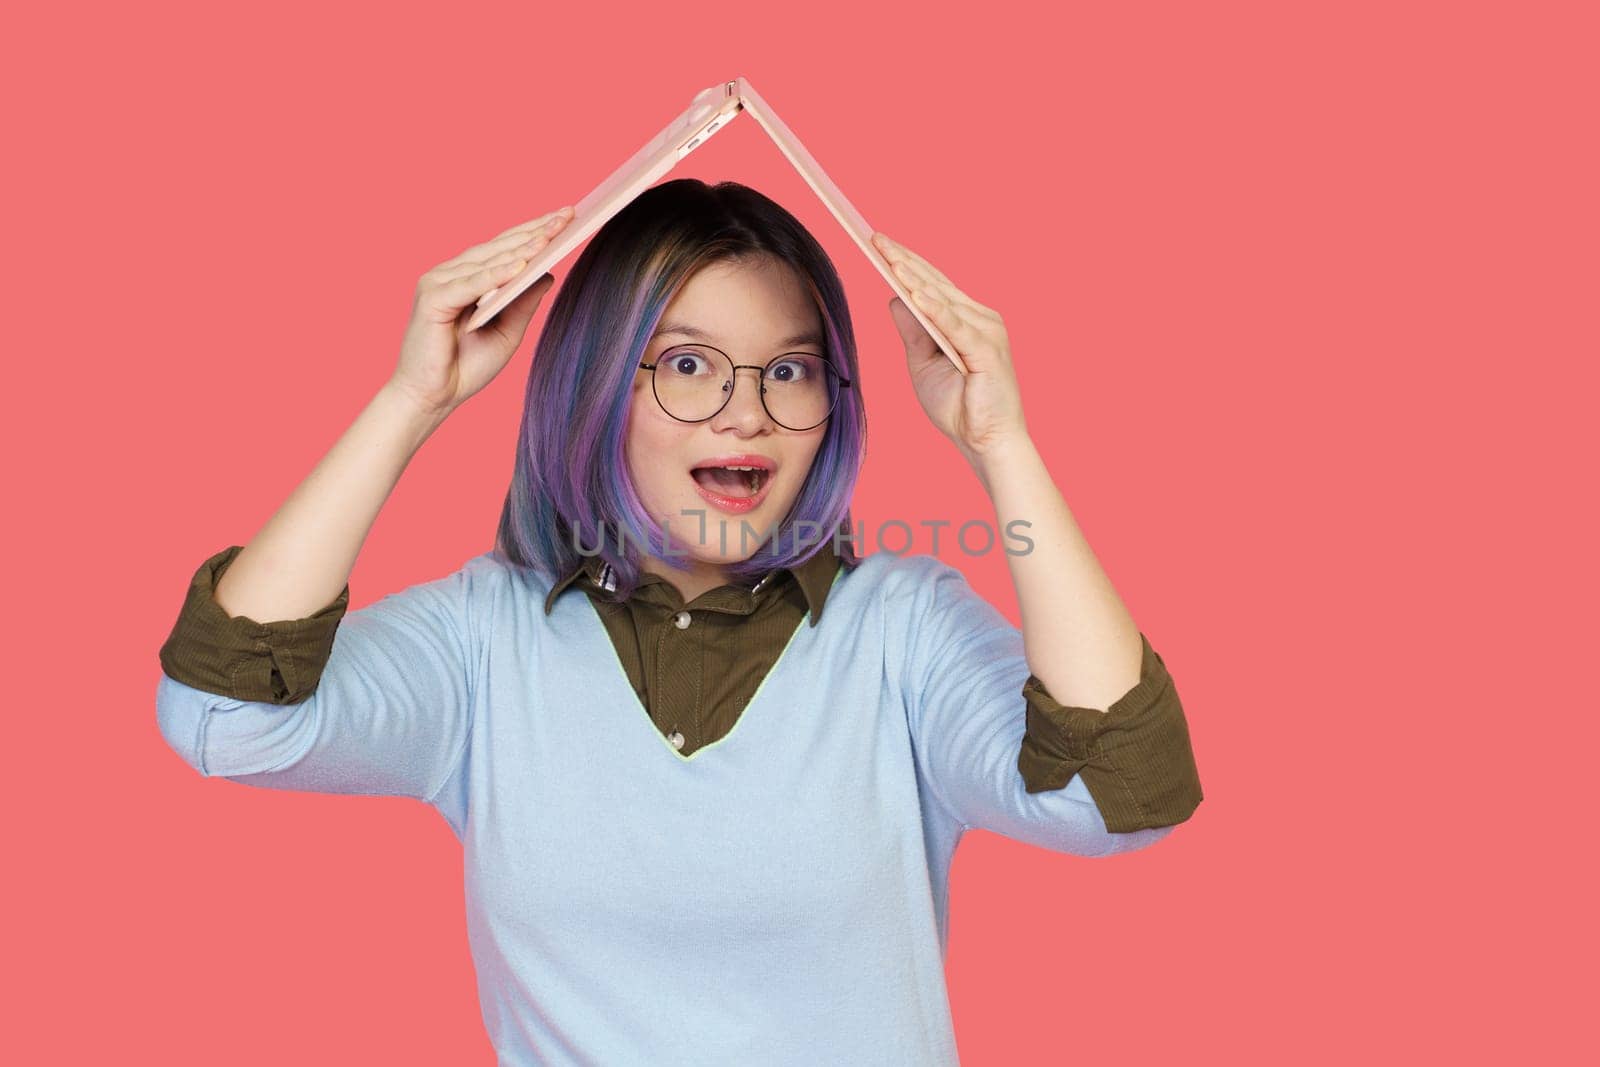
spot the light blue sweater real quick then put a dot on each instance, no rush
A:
(807, 852)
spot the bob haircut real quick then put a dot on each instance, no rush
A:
(571, 494)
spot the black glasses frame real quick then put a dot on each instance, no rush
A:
(844, 383)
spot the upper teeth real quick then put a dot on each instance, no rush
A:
(743, 468)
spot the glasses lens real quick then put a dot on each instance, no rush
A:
(800, 390)
(692, 383)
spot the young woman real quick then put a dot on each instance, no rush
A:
(701, 825)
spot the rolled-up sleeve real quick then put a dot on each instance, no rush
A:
(233, 655)
(1135, 757)
(961, 676)
(389, 710)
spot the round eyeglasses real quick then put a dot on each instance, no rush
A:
(694, 382)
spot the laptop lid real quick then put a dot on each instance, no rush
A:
(710, 112)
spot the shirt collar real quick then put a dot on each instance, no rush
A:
(815, 577)
(594, 568)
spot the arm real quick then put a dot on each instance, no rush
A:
(300, 560)
(303, 556)
(1100, 700)
(376, 702)
(962, 668)
(258, 621)
(381, 702)
(1081, 642)
(263, 623)
(1078, 638)
(391, 714)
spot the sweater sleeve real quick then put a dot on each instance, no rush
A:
(390, 714)
(962, 673)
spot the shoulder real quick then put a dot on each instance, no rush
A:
(472, 588)
(911, 566)
(491, 573)
(916, 592)
(902, 577)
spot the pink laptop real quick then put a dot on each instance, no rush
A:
(710, 111)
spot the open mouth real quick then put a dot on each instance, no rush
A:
(736, 483)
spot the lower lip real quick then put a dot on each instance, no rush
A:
(734, 505)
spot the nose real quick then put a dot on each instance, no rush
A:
(744, 410)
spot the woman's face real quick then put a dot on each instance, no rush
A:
(752, 311)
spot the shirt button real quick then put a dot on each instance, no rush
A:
(681, 620)
(676, 738)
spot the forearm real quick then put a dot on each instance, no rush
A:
(302, 558)
(1078, 636)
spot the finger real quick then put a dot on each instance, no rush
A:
(893, 250)
(921, 348)
(527, 250)
(546, 225)
(481, 254)
(453, 294)
(512, 321)
(533, 224)
(913, 277)
(905, 261)
(968, 336)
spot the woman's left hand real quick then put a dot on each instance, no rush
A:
(980, 411)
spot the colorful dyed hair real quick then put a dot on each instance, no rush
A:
(571, 484)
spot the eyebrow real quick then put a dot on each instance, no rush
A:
(809, 337)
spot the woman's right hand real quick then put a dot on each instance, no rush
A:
(440, 364)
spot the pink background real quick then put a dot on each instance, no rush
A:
(1298, 301)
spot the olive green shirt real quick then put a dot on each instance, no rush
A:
(695, 666)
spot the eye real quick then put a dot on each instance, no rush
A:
(688, 363)
(795, 368)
